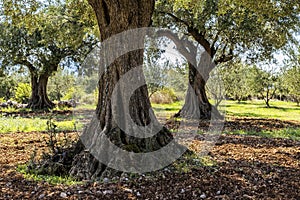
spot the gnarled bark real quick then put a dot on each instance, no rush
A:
(115, 17)
(39, 98)
(196, 100)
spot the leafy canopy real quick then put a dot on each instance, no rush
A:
(225, 27)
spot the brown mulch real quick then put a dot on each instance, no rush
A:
(258, 124)
(247, 167)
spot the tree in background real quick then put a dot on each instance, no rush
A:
(155, 69)
(59, 84)
(237, 78)
(56, 34)
(291, 74)
(292, 81)
(265, 84)
(7, 87)
(226, 29)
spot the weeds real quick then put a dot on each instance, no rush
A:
(56, 162)
(54, 180)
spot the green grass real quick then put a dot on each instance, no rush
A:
(12, 110)
(86, 106)
(255, 109)
(167, 109)
(18, 124)
(54, 180)
(279, 110)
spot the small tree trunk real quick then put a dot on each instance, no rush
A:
(267, 99)
(39, 98)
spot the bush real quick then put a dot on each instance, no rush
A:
(75, 93)
(164, 96)
(23, 93)
(88, 99)
(7, 87)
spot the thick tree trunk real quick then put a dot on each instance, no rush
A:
(196, 103)
(115, 17)
(39, 98)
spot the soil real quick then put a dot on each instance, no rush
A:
(244, 167)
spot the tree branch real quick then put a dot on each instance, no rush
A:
(177, 19)
(181, 45)
(225, 58)
(199, 37)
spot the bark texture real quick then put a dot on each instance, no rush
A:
(116, 16)
(39, 98)
(196, 101)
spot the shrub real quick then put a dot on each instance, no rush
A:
(164, 96)
(7, 87)
(88, 99)
(23, 93)
(75, 93)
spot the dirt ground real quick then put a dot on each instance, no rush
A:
(245, 167)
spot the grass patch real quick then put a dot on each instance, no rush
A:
(54, 180)
(279, 110)
(167, 109)
(18, 124)
(191, 161)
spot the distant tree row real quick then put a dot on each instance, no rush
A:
(243, 82)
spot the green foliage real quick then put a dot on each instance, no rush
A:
(53, 180)
(89, 99)
(11, 124)
(7, 87)
(18, 124)
(164, 96)
(291, 81)
(60, 33)
(177, 79)
(75, 93)
(155, 68)
(2, 100)
(56, 19)
(23, 92)
(237, 79)
(265, 83)
(231, 27)
(215, 87)
(59, 84)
